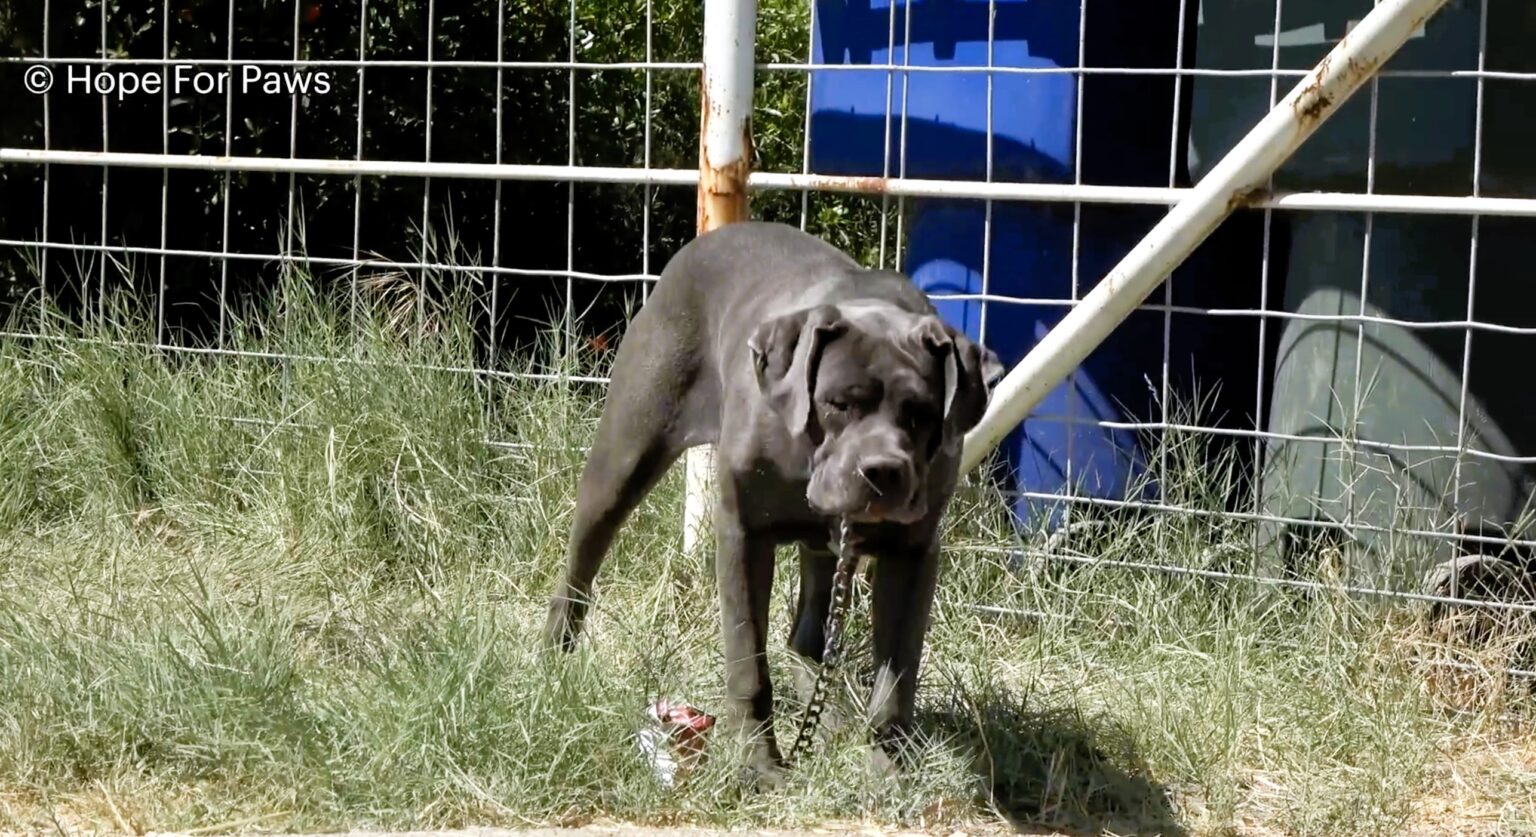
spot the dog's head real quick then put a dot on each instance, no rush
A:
(878, 393)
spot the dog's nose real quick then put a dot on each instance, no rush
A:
(885, 476)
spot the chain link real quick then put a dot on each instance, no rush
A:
(832, 650)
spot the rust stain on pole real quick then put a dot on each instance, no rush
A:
(852, 183)
(722, 190)
(1252, 197)
(1310, 106)
(1313, 102)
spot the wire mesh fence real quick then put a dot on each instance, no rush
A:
(1336, 366)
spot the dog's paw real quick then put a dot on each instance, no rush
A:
(881, 764)
(892, 752)
(762, 776)
(562, 625)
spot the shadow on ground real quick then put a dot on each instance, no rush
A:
(1054, 771)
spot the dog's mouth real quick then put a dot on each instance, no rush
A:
(886, 512)
(858, 501)
(904, 517)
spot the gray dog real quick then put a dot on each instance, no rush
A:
(832, 393)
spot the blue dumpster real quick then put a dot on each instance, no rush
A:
(1062, 446)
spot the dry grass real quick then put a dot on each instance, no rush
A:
(323, 616)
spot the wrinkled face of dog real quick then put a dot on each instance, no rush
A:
(878, 394)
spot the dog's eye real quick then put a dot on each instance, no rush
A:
(855, 399)
(916, 416)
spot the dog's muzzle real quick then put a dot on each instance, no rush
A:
(881, 488)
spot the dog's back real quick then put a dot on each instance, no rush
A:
(751, 270)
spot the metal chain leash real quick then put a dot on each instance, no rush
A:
(842, 583)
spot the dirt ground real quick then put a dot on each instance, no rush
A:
(620, 830)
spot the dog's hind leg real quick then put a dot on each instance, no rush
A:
(637, 440)
(808, 637)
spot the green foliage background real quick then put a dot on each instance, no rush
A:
(606, 225)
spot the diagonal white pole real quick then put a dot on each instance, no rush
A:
(1236, 181)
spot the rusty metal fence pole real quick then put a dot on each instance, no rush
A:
(1237, 181)
(730, 30)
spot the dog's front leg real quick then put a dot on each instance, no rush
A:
(904, 582)
(744, 574)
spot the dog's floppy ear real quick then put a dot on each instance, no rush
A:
(970, 369)
(786, 352)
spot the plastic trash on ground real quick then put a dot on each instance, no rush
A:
(673, 741)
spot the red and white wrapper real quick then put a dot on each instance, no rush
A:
(673, 743)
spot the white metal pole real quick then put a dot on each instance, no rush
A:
(730, 28)
(1235, 181)
(794, 181)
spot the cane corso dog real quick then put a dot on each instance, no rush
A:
(832, 393)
